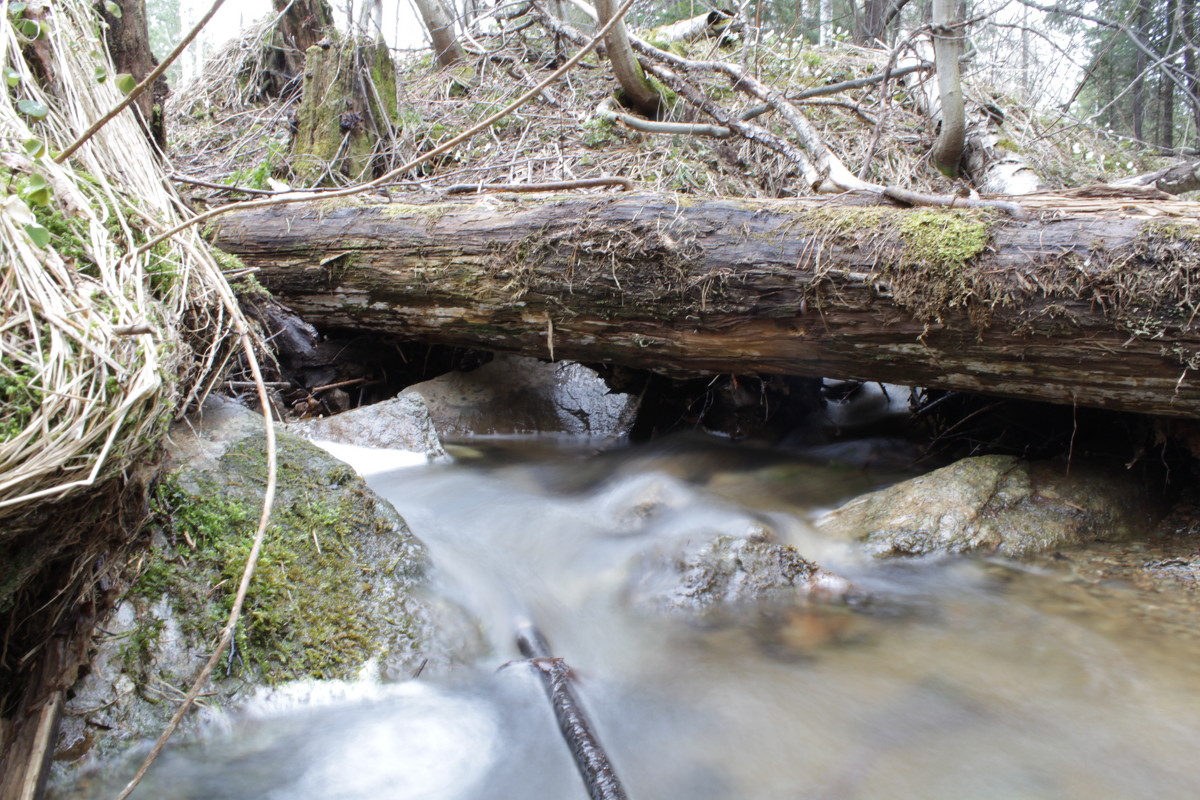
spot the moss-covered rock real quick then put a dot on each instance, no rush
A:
(993, 504)
(339, 591)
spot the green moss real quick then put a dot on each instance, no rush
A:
(248, 285)
(228, 262)
(942, 240)
(67, 237)
(162, 269)
(330, 138)
(302, 616)
(923, 255)
(19, 396)
(599, 131)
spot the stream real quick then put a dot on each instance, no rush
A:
(962, 678)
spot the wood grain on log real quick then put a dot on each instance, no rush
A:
(1071, 306)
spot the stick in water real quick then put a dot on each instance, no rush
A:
(590, 759)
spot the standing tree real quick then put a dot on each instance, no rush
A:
(440, 27)
(947, 48)
(127, 34)
(639, 93)
(302, 23)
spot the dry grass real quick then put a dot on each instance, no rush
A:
(99, 346)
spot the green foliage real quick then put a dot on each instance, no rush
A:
(19, 396)
(255, 177)
(599, 131)
(33, 108)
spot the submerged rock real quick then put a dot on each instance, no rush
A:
(993, 504)
(340, 591)
(515, 394)
(725, 578)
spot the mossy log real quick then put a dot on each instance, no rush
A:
(1072, 305)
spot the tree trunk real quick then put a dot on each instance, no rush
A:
(870, 26)
(1166, 86)
(128, 40)
(345, 122)
(1138, 96)
(440, 27)
(1079, 308)
(947, 49)
(639, 94)
(1191, 61)
(302, 23)
(991, 166)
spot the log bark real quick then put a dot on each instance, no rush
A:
(1183, 176)
(1073, 305)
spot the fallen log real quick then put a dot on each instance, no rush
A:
(1073, 305)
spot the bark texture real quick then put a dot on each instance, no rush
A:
(345, 121)
(128, 40)
(639, 94)
(440, 27)
(302, 23)
(947, 48)
(1071, 306)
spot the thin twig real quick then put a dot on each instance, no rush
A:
(222, 187)
(247, 573)
(141, 87)
(548, 186)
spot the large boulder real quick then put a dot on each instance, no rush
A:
(999, 504)
(340, 591)
(518, 395)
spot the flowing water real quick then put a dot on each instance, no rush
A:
(966, 678)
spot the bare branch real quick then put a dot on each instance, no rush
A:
(607, 111)
(549, 186)
(834, 88)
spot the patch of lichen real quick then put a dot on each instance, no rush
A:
(923, 257)
(303, 615)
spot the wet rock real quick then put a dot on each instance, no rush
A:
(993, 504)
(402, 423)
(513, 394)
(724, 578)
(341, 590)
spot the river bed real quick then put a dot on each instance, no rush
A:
(960, 678)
